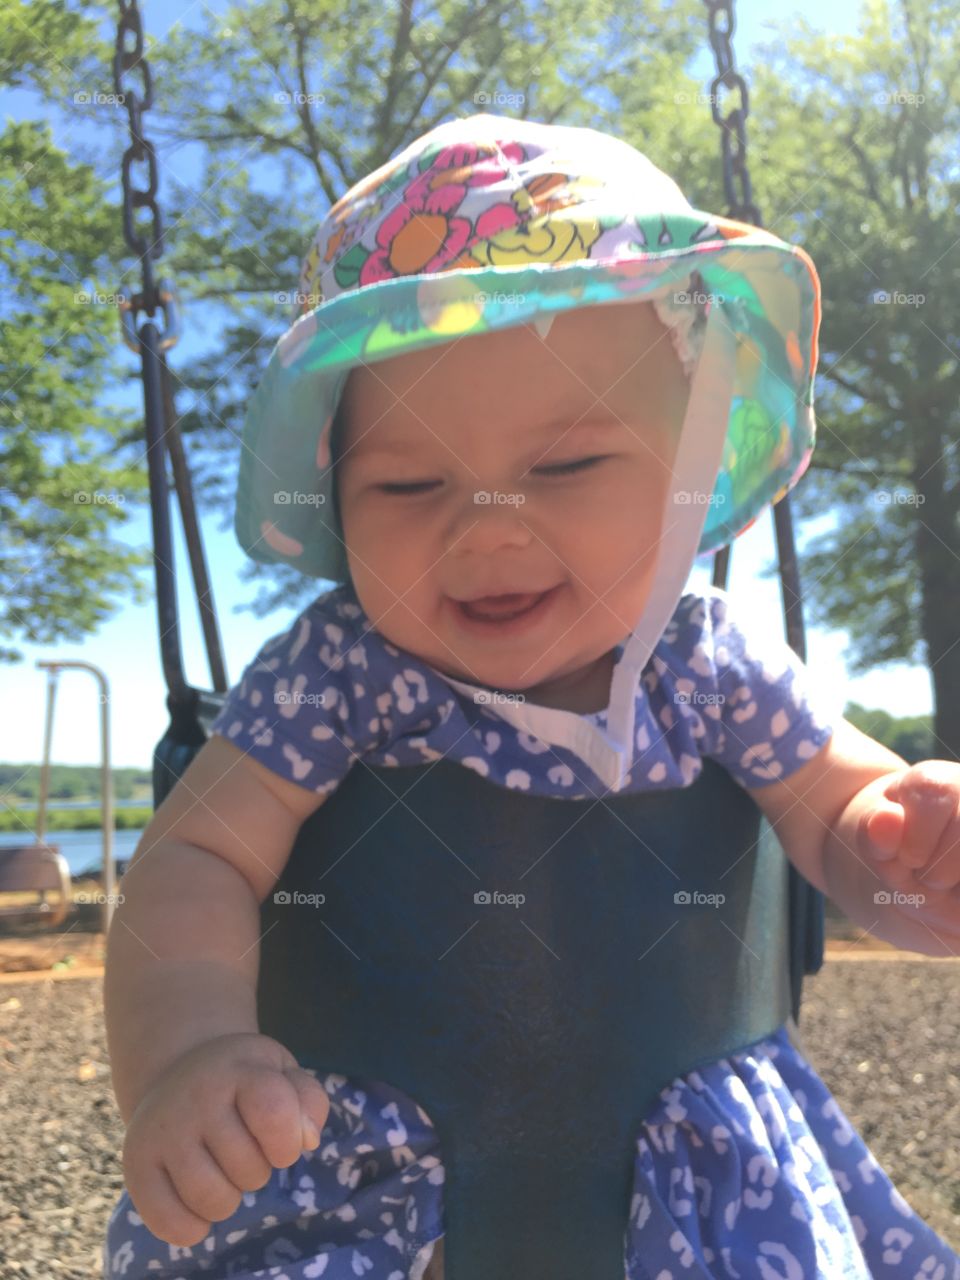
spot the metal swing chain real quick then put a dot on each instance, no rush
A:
(741, 207)
(805, 901)
(159, 410)
(732, 126)
(140, 150)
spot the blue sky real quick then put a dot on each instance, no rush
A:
(126, 647)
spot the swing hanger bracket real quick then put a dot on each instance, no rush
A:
(169, 304)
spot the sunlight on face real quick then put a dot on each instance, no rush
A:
(572, 438)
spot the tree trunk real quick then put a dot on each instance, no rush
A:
(938, 561)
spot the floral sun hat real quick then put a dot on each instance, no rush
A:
(486, 222)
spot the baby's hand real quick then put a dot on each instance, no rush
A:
(215, 1124)
(915, 827)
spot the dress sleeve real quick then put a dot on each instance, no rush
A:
(770, 716)
(302, 706)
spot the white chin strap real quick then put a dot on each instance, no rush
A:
(695, 470)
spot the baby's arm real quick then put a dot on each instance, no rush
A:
(819, 814)
(183, 947)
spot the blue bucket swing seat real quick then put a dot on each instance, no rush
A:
(534, 1035)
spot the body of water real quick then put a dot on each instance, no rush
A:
(83, 850)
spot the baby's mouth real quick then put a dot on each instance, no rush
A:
(500, 608)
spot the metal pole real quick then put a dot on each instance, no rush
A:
(108, 875)
(45, 766)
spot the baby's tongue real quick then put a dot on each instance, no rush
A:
(501, 606)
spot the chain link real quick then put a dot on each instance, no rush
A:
(148, 244)
(733, 133)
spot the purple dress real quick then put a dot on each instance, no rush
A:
(746, 1169)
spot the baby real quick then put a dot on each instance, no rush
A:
(506, 506)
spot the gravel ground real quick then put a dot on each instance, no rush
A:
(883, 1034)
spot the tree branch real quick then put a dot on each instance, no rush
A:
(306, 116)
(870, 397)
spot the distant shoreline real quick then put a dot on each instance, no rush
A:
(125, 818)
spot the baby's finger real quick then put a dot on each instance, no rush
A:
(202, 1185)
(883, 831)
(158, 1203)
(929, 798)
(238, 1153)
(314, 1104)
(269, 1106)
(943, 867)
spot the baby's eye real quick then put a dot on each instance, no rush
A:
(414, 486)
(567, 468)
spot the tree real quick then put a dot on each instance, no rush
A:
(327, 93)
(862, 173)
(64, 489)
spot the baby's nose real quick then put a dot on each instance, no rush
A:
(488, 519)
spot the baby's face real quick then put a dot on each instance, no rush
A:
(511, 415)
